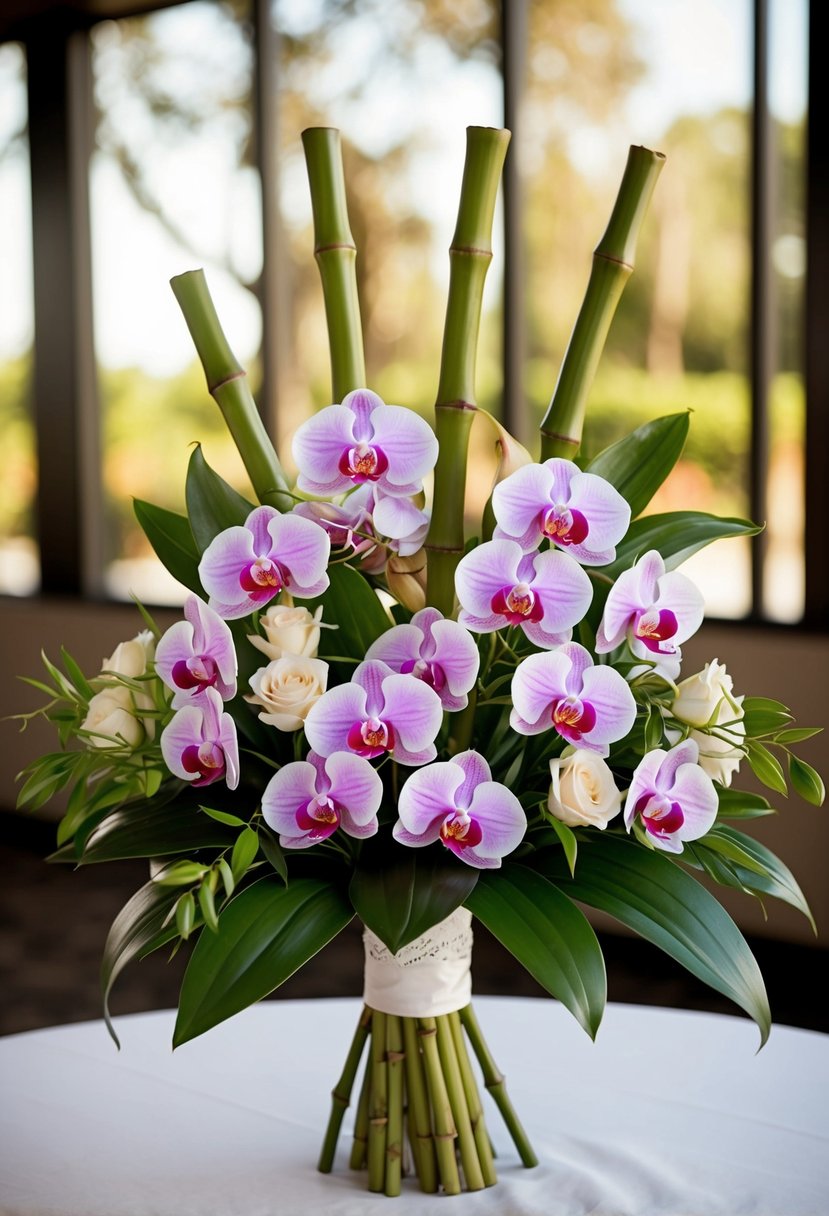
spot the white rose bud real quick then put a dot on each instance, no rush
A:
(706, 700)
(287, 688)
(130, 659)
(288, 631)
(583, 792)
(111, 719)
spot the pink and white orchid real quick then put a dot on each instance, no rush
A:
(555, 501)
(197, 653)
(378, 712)
(200, 745)
(364, 440)
(440, 652)
(673, 798)
(654, 611)
(246, 566)
(545, 593)
(458, 803)
(307, 801)
(590, 706)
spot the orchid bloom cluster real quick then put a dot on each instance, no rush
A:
(364, 462)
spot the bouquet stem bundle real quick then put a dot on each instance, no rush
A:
(419, 1087)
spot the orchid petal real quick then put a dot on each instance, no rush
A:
(258, 524)
(677, 592)
(332, 717)
(182, 731)
(606, 511)
(317, 447)
(483, 572)
(289, 789)
(475, 772)
(360, 831)
(539, 680)
(686, 752)
(500, 817)
(303, 549)
(609, 694)
(229, 742)
(696, 794)
(521, 498)
(399, 518)
(362, 402)
(416, 840)
(414, 710)
(409, 444)
(355, 786)
(644, 779)
(428, 796)
(457, 654)
(564, 589)
(398, 645)
(221, 564)
(371, 676)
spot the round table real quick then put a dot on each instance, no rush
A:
(668, 1113)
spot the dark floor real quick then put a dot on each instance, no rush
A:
(54, 920)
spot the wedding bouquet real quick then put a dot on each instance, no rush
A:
(365, 711)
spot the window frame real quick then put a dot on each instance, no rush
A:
(65, 393)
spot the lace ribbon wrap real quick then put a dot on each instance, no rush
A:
(425, 979)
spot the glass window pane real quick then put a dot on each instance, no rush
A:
(401, 79)
(19, 561)
(675, 77)
(784, 575)
(172, 188)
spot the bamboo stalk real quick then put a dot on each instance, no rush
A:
(341, 1093)
(495, 1083)
(613, 262)
(228, 386)
(460, 1111)
(360, 1141)
(469, 258)
(445, 1133)
(378, 1104)
(423, 1145)
(473, 1101)
(336, 256)
(395, 1057)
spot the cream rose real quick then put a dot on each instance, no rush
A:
(583, 792)
(130, 659)
(112, 720)
(287, 688)
(707, 700)
(288, 631)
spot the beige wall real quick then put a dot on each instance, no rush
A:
(792, 667)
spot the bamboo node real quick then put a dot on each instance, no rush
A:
(394, 1057)
(380, 1121)
(457, 404)
(238, 375)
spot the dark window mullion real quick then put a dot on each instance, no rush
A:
(65, 386)
(817, 329)
(762, 318)
(514, 17)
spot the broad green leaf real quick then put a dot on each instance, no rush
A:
(676, 535)
(548, 935)
(212, 504)
(171, 538)
(797, 734)
(273, 852)
(352, 605)
(180, 874)
(638, 464)
(807, 781)
(762, 715)
(155, 829)
(647, 891)
(400, 899)
(738, 804)
(245, 849)
(266, 933)
(568, 840)
(232, 821)
(766, 767)
(76, 675)
(185, 914)
(765, 873)
(208, 908)
(138, 929)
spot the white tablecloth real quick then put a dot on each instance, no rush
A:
(667, 1114)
